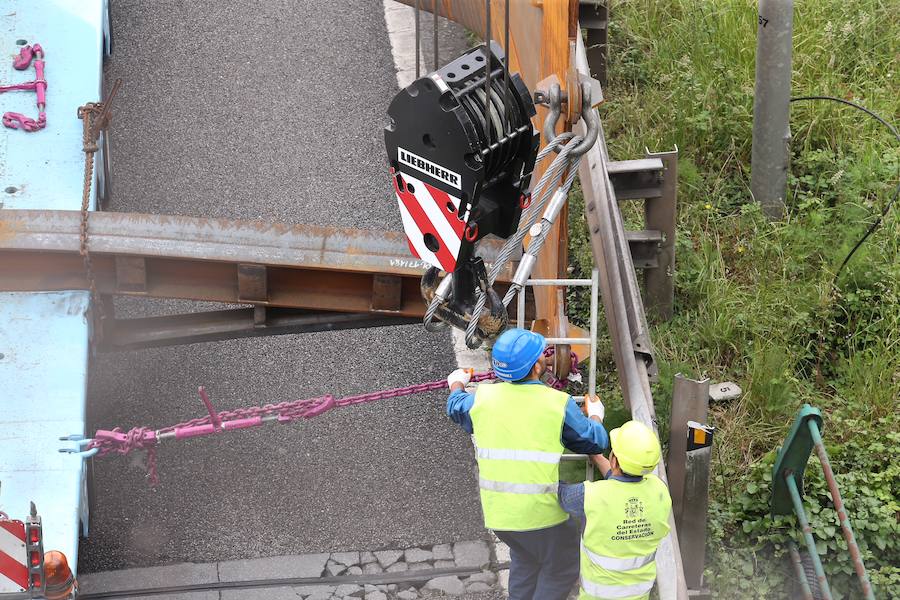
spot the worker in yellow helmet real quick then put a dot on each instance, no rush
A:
(521, 430)
(626, 516)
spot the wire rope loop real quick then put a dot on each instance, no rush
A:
(473, 340)
(430, 325)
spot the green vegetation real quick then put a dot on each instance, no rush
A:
(757, 302)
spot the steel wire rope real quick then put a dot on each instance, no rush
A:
(487, 68)
(540, 196)
(528, 218)
(506, 62)
(418, 41)
(435, 11)
(537, 242)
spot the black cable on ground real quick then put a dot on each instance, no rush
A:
(872, 227)
(889, 203)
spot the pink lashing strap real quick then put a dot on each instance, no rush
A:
(15, 120)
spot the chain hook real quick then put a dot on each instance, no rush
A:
(13, 120)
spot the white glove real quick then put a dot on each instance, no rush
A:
(595, 407)
(462, 376)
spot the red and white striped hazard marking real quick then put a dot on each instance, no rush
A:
(13, 557)
(433, 229)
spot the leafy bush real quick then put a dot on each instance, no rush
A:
(866, 460)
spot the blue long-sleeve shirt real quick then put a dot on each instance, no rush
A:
(579, 433)
(571, 495)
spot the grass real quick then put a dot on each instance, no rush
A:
(757, 302)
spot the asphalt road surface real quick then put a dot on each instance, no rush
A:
(272, 111)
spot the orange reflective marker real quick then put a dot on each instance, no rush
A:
(700, 437)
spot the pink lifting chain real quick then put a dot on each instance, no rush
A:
(15, 120)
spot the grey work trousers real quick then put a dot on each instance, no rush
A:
(545, 562)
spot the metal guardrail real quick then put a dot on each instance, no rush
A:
(626, 322)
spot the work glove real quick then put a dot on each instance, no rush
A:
(594, 407)
(463, 376)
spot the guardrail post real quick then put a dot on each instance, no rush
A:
(659, 215)
(593, 16)
(690, 402)
(692, 529)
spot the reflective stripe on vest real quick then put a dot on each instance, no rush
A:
(518, 488)
(520, 455)
(617, 591)
(518, 431)
(611, 563)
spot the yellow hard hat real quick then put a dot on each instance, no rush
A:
(636, 447)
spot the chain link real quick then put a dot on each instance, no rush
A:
(143, 438)
(14, 120)
(89, 145)
(116, 441)
(95, 118)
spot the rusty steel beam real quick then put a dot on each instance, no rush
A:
(220, 260)
(218, 325)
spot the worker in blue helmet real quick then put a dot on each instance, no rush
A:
(522, 428)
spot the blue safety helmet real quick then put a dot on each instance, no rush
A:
(515, 352)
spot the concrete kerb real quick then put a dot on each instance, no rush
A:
(456, 569)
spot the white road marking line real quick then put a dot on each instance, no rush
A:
(401, 26)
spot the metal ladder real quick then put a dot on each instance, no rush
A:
(594, 284)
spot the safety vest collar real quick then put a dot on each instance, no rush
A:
(612, 563)
(624, 477)
(600, 590)
(517, 488)
(518, 455)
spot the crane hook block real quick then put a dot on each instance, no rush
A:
(460, 161)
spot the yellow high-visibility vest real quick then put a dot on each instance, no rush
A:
(625, 523)
(518, 431)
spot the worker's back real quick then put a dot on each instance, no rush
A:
(626, 520)
(517, 431)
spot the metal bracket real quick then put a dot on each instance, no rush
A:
(34, 546)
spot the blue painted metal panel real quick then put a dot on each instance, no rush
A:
(44, 342)
(44, 337)
(47, 168)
